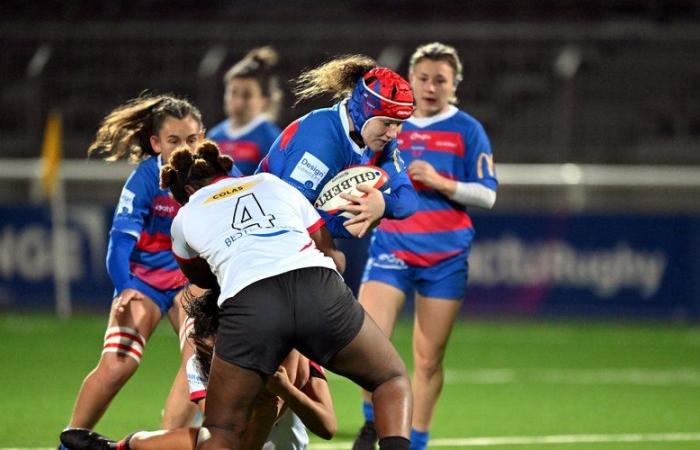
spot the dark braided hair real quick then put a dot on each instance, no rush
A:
(205, 312)
(193, 169)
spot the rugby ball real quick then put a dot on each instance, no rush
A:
(347, 181)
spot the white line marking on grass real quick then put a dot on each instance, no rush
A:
(531, 440)
(508, 440)
(624, 376)
(629, 376)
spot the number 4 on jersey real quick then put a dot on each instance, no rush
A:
(248, 213)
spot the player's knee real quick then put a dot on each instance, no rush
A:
(395, 377)
(427, 366)
(121, 354)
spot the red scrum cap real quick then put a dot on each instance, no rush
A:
(380, 93)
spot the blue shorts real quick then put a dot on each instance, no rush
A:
(164, 299)
(446, 279)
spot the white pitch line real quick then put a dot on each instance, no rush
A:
(531, 440)
(681, 376)
(508, 440)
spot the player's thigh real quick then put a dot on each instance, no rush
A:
(141, 315)
(231, 393)
(434, 320)
(369, 359)
(383, 302)
(126, 336)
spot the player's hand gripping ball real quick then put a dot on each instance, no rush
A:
(347, 181)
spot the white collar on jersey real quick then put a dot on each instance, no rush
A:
(160, 163)
(343, 111)
(423, 122)
(247, 128)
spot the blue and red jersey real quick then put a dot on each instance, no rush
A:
(248, 145)
(145, 211)
(315, 147)
(457, 146)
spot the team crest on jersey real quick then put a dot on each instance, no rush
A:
(230, 190)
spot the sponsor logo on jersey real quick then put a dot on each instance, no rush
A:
(126, 202)
(165, 207)
(389, 261)
(419, 136)
(229, 191)
(309, 171)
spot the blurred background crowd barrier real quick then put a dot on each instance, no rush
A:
(593, 109)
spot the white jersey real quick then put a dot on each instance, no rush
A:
(248, 229)
(288, 432)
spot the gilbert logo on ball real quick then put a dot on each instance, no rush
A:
(347, 182)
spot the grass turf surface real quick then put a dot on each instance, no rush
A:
(503, 379)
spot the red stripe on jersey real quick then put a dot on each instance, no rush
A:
(126, 348)
(425, 259)
(198, 395)
(429, 222)
(153, 243)
(435, 141)
(241, 150)
(316, 226)
(159, 278)
(133, 337)
(307, 246)
(289, 133)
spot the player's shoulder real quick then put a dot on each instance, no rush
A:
(218, 131)
(269, 127)
(319, 120)
(147, 172)
(467, 122)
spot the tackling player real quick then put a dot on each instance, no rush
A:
(261, 238)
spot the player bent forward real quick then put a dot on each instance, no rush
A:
(264, 242)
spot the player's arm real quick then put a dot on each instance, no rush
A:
(324, 242)
(129, 218)
(401, 198)
(195, 268)
(313, 403)
(316, 226)
(268, 408)
(481, 185)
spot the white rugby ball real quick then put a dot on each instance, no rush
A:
(347, 181)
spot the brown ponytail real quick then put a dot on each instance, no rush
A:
(337, 77)
(127, 130)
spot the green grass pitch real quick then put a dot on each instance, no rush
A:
(638, 383)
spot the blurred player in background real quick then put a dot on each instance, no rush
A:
(266, 244)
(451, 165)
(252, 100)
(299, 383)
(147, 281)
(359, 130)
